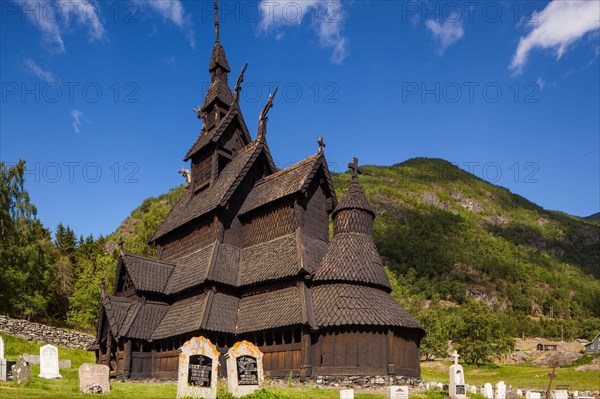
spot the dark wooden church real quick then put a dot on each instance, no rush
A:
(246, 254)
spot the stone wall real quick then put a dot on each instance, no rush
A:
(45, 334)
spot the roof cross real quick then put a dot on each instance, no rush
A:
(216, 20)
(353, 166)
(321, 144)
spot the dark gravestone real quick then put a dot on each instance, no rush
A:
(199, 371)
(247, 370)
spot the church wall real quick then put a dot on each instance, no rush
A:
(269, 223)
(201, 168)
(406, 352)
(197, 235)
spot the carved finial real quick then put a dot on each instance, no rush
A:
(188, 176)
(321, 144)
(103, 287)
(455, 356)
(216, 20)
(122, 246)
(353, 166)
(238, 85)
(262, 121)
(198, 112)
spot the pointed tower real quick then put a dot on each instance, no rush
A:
(351, 290)
(224, 132)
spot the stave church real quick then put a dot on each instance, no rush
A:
(246, 254)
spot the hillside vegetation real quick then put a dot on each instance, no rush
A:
(462, 255)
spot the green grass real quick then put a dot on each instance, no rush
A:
(522, 376)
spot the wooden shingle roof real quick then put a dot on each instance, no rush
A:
(190, 270)
(116, 309)
(147, 274)
(269, 260)
(218, 90)
(345, 304)
(145, 320)
(182, 317)
(191, 206)
(353, 257)
(354, 198)
(270, 310)
(282, 183)
(218, 58)
(214, 134)
(222, 314)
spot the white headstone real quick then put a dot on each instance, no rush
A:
(198, 366)
(519, 393)
(457, 388)
(488, 392)
(575, 394)
(3, 368)
(93, 378)
(347, 394)
(397, 392)
(49, 362)
(244, 368)
(533, 395)
(559, 394)
(473, 389)
(1, 348)
(501, 390)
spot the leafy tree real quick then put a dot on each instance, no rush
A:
(481, 336)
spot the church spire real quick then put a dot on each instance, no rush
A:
(216, 20)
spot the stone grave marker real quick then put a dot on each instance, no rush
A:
(198, 366)
(347, 394)
(473, 388)
(533, 395)
(488, 392)
(49, 362)
(244, 368)
(519, 393)
(93, 378)
(559, 394)
(397, 392)
(457, 388)
(501, 390)
(35, 359)
(3, 369)
(21, 372)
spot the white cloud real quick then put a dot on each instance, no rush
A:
(78, 118)
(173, 11)
(327, 19)
(38, 71)
(447, 33)
(53, 18)
(557, 27)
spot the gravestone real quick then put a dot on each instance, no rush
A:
(3, 369)
(488, 392)
(457, 388)
(49, 362)
(93, 378)
(397, 392)
(501, 390)
(35, 359)
(559, 394)
(198, 367)
(473, 388)
(519, 393)
(244, 368)
(21, 372)
(347, 394)
(533, 395)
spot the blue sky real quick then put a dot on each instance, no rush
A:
(98, 96)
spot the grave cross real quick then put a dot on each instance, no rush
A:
(455, 356)
(321, 144)
(353, 166)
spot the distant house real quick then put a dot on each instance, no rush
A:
(594, 346)
(544, 345)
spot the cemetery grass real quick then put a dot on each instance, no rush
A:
(525, 376)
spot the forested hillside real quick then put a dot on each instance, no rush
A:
(459, 250)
